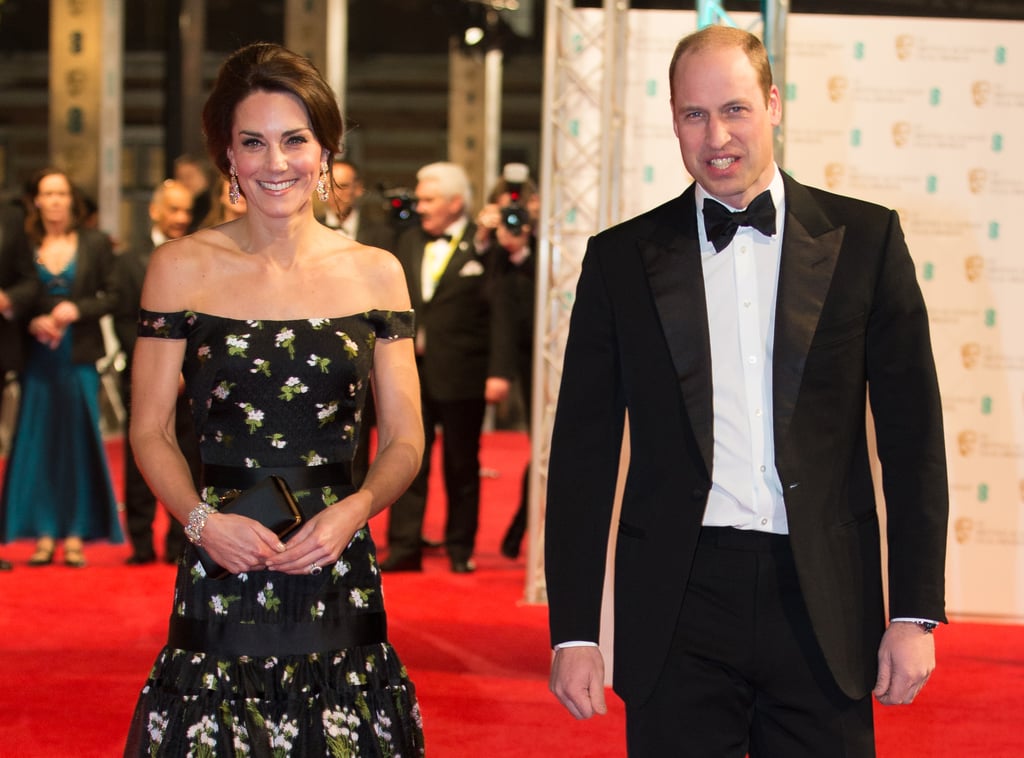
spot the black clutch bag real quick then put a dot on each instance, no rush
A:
(270, 502)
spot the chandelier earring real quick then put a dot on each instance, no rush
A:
(321, 185)
(234, 192)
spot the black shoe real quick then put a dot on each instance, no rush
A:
(395, 563)
(74, 557)
(139, 560)
(5, 565)
(510, 548)
(463, 567)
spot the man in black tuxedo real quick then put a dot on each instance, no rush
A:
(170, 210)
(749, 613)
(464, 361)
(18, 286)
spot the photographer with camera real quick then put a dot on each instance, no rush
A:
(464, 358)
(506, 233)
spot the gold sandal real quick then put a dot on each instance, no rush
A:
(43, 556)
(73, 556)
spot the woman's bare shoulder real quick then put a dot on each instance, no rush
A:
(180, 270)
(384, 276)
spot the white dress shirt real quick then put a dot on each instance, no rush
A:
(436, 255)
(741, 284)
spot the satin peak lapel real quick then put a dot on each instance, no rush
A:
(677, 283)
(810, 249)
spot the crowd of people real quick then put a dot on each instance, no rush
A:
(265, 340)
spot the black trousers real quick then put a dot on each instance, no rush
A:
(745, 673)
(139, 501)
(460, 422)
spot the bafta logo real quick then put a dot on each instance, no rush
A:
(76, 80)
(980, 92)
(834, 174)
(974, 267)
(970, 354)
(977, 179)
(963, 527)
(837, 86)
(900, 133)
(967, 442)
(904, 46)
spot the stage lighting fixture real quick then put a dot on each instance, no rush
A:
(483, 27)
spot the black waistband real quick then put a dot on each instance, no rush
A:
(233, 639)
(743, 539)
(297, 477)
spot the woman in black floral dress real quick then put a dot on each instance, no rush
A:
(280, 327)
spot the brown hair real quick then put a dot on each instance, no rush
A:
(33, 221)
(725, 36)
(264, 66)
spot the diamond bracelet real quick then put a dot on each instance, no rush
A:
(197, 521)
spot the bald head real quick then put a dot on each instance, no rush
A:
(170, 209)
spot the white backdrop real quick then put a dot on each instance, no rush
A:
(926, 116)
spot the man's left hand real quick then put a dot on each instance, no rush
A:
(906, 658)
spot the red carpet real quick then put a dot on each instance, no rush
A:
(75, 646)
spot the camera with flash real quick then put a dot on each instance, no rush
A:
(514, 215)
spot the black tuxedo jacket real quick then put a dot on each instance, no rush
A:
(849, 320)
(19, 280)
(464, 333)
(375, 232)
(128, 276)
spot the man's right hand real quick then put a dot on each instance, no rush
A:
(577, 680)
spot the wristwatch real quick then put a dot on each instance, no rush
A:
(927, 626)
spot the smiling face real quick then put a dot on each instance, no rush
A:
(723, 123)
(275, 153)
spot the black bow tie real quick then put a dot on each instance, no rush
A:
(721, 224)
(435, 238)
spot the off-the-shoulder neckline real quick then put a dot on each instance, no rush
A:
(204, 314)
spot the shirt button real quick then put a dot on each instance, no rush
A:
(762, 469)
(746, 303)
(752, 360)
(764, 522)
(758, 413)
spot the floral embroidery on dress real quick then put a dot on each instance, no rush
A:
(279, 394)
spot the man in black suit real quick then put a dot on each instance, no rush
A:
(170, 210)
(346, 212)
(749, 613)
(464, 361)
(505, 233)
(18, 286)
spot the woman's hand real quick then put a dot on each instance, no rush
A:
(46, 330)
(238, 543)
(65, 313)
(321, 541)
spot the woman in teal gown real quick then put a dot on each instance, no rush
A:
(57, 483)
